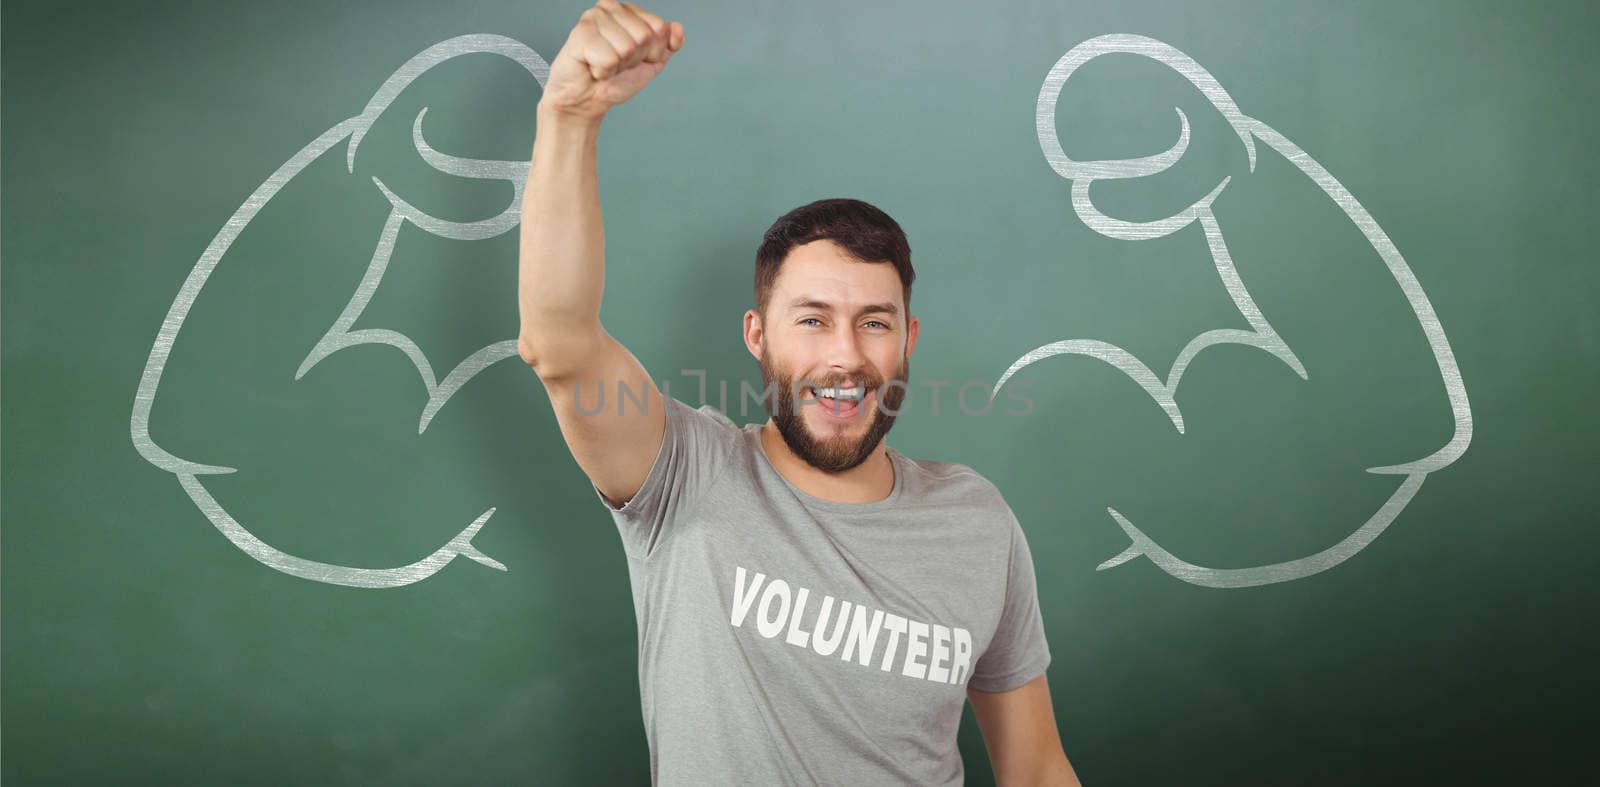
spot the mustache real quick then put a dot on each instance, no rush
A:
(791, 386)
(862, 379)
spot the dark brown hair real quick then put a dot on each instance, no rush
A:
(865, 233)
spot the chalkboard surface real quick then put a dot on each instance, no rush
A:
(1274, 322)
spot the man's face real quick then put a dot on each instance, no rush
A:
(833, 323)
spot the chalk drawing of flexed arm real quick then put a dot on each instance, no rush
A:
(1260, 334)
(341, 335)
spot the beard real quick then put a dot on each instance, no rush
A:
(833, 453)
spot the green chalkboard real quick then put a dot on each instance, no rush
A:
(1287, 312)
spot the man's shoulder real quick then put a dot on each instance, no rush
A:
(953, 480)
(707, 414)
(706, 432)
(720, 417)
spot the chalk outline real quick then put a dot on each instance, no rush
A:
(339, 336)
(1262, 336)
(1082, 174)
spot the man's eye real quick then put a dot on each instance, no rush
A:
(878, 322)
(809, 319)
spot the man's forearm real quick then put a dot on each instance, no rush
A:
(561, 262)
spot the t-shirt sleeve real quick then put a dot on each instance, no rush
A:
(1018, 653)
(694, 448)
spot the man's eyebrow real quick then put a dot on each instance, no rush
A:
(871, 308)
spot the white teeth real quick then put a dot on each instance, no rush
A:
(840, 393)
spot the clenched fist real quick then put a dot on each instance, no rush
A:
(613, 52)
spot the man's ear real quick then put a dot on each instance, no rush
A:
(753, 330)
(913, 325)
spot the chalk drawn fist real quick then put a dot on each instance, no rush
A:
(611, 54)
(1320, 197)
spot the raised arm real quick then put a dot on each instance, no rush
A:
(614, 50)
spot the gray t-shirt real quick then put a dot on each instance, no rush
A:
(786, 639)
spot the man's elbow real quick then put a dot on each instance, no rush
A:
(525, 350)
(1055, 771)
(1044, 768)
(557, 351)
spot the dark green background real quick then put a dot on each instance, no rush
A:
(140, 646)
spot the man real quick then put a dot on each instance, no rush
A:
(812, 605)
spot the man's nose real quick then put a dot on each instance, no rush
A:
(844, 352)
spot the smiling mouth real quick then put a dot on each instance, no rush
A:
(839, 404)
